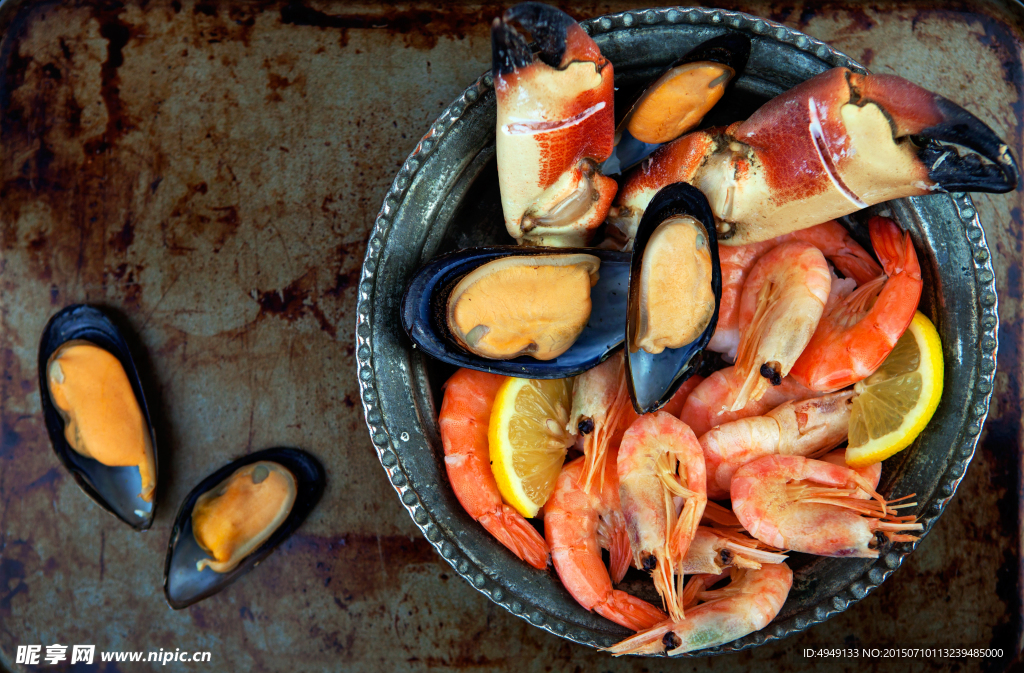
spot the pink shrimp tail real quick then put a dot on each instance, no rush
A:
(894, 248)
(629, 611)
(620, 553)
(513, 531)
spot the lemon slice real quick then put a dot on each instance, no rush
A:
(897, 401)
(528, 439)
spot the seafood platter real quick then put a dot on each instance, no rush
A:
(650, 304)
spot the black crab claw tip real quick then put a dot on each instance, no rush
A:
(731, 49)
(546, 29)
(955, 173)
(509, 50)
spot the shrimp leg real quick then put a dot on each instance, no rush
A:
(815, 507)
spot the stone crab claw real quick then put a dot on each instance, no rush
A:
(828, 147)
(555, 126)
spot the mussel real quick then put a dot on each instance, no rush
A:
(435, 293)
(672, 280)
(235, 518)
(533, 305)
(675, 287)
(678, 100)
(96, 413)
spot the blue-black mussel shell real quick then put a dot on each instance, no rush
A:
(183, 584)
(115, 489)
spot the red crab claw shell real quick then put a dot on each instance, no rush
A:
(555, 126)
(677, 161)
(830, 146)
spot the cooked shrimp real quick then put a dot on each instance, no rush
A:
(708, 404)
(748, 603)
(659, 460)
(782, 301)
(578, 525)
(859, 329)
(804, 428)
(873, 473)
(714, 550)
(796, 503)
(736, 261)
(465, 414)
(600, 404)
(674, 406)
(840, 248)
(602, 410)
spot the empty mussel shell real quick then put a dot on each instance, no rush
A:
(675, 287)
(426, 311)
(126, 490)
(678, 100)
(184, 582)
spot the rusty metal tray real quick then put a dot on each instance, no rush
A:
(211, 171)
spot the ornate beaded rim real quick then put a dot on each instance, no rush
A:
(382, 439)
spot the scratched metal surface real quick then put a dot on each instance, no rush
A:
(211, 171)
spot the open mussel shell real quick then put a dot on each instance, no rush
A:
(653, 379)
(730, 50)
(424, 312)
(183, 584)
(115, 489)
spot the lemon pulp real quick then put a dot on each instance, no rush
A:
(895, 403)
(528, 440)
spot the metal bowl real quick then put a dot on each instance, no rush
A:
(446, 197)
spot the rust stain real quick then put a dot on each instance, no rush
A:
(103, 548)
(362, 565)
(122, 239)
(117, 33)
(343, 281)
(49, 480)
(50, 567)
(277, 83)
(12, 582)
(16, 428)
(191, 221)
(420, 27)
(295, 301)
(220, 22)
